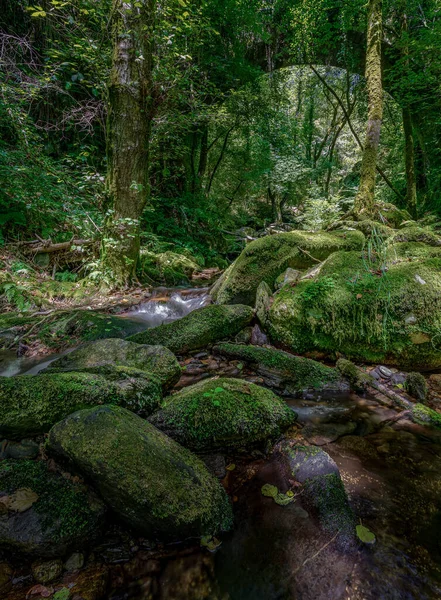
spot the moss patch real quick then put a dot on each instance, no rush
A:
(223, 413)
(369, 314)
(95, 356)
(30, 405)
(265, 259)
(152, 483)
(296, 372)
(199, 329)
(65, 515)
(424, 415)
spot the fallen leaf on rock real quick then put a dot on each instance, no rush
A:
(21, 500)
(365, 535)
(230, 467)
(40, 590)
(211, 543)
(269, 490)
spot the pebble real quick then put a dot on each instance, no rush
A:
(45, 572)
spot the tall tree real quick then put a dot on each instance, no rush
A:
(365, 198)
(130, 106)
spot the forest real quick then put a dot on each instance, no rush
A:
(220, 299)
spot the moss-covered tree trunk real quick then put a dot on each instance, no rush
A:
(128, 135)
(411, 191)
(366, 191)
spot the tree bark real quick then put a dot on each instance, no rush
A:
(365, 198)
(411, 191)
(128, 136)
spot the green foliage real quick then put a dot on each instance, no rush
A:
(316, 290)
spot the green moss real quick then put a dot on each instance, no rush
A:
(151, 482)
(199, 329)
(112, 356)
(42, 400)
(328, 495)
(416, 385)
(355, 376)
(166, 267)
(297, 372)
(392, 316)
(223, 413)
(415, 233)
(424, 415)
(266, 258)
(64, 508)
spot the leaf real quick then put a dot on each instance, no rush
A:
(63, 594)
(269, 490)
(218, 390)
(359, 296)
(20, 501)
(40, 590)
(211, 543)
(283, 499)
(230, 467)
(365, 535)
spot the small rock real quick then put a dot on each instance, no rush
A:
(398, 378)
(45, 572)
(258, 337)
(410, 320)
(216, 464)
(420, 280)
(435, 380)
(385, 372)
(75, 562)
(416, 385)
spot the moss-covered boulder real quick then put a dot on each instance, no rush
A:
(365, 308)
(223, 413)
(200, 328)
(291, 374)
(152, 483)
(31, 404)
(266, 258)
(323, 489)
(101, 353)
(43, 513)
(416, 233)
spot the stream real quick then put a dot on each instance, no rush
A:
(391, 469)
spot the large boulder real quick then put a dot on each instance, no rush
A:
(156, 486)
(290, 374)
(198, 329)
(223, 413)
(31, 404)
(94, 356)
(43, 513)
(267, 258)
(374, 310)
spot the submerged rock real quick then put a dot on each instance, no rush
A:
(360, 310)
(291, 374)
(55, 516)
(198, 329)
(266, 258)
(323, 489)
(223, 413)
(116, 352)
(159, 488)
(39, 401)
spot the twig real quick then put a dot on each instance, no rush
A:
(310, 255)
(307, 560)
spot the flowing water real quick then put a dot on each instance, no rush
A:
(166, 306)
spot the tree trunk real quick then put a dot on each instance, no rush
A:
(128, 136)
(411, 192)
(366, 192)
